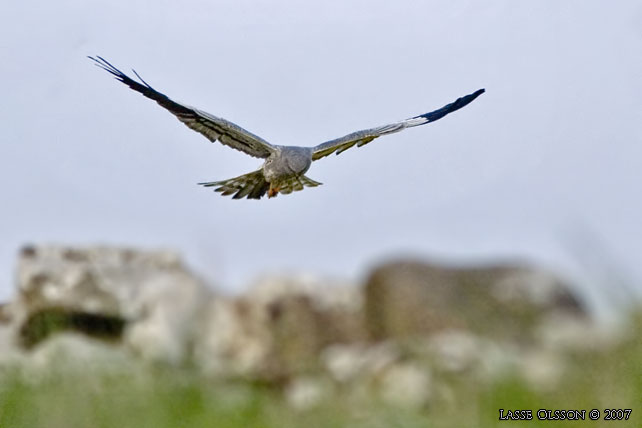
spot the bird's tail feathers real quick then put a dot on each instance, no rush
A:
(251, 186)
(294, 184)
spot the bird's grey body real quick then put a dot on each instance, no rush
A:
(287, 161)
(285, 166)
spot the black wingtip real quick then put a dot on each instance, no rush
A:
(467, 99)
(120, 76)
(460, 102)
(447, 109)
(106, 65)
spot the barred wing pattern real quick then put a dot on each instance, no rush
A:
(254, 186)
(212, 127)
(365, 136)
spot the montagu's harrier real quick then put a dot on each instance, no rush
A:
(284, 167)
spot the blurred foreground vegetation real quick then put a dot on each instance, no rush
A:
(163, 397)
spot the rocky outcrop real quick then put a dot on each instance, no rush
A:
(408, 299)
(400, 338)
(278, 328)
(146, 300)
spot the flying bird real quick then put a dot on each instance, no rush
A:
(285, 166)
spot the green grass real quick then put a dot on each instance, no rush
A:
(170, 398)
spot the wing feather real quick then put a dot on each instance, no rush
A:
(361, 138)
(212, 127)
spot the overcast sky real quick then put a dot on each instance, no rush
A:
(544, 166)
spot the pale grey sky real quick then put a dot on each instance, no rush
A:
(552, 150)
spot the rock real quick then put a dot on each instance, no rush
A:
(478, 358)
(306, 392)
(454, 350)
(406, 385)
(304, 315)
(145, 299)
(324, 294)
(355, 362)
(563, 333)
(235, 340)
(344, 363)
(10, 354)
(407, 299)
(71, 353)
(277, 329)
(407, 337)
(307, 313)
(381, 370)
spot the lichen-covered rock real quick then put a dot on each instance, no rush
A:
(278, 328)
(10, 354)
(466, 354)
(147, 300)
(454, 350)
(307, 313)
(71, 353)
(379, 371)
(406, 299)
(354, 362)
(305, 392)
(406, 384)
(234, 339)
(561, 332)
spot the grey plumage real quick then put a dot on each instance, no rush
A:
(284, 167)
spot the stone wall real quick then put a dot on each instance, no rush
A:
(401, 335)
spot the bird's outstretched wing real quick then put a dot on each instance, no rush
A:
(212, 127)
(363, 137)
